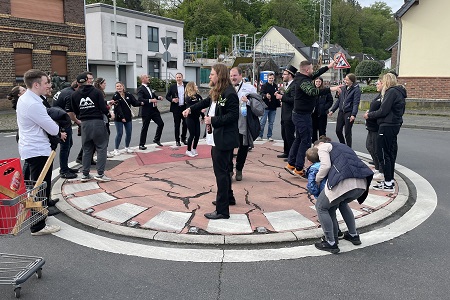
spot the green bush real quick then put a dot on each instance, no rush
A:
(369, 70)
(368, 89)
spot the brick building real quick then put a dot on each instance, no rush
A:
(42, 34)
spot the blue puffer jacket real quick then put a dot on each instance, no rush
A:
(346, 164)
(312, 186)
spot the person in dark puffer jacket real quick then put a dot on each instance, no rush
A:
(372, 134)
(348, 179)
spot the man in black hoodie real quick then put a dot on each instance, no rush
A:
(304, 102)
(89, 105)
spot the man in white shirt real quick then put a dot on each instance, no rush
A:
(34, 126)
(175, 96)
(246, 103)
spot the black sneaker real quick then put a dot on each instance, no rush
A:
(69, 175)
(354, 239)
(71, 170)
(382, 186)
(324, 246)
(340, 234)
(324, 239)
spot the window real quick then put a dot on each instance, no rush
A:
(43, 10)
(153, 39)
(23, 60)
(122, 56)
(173, 35)
(59, 64)
(121, 28)
(139, 60)
(172, 64)
(138, 31)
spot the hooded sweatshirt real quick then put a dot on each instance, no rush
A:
(88, 103)
(392, 107)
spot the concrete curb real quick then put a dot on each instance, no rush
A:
(211, 239)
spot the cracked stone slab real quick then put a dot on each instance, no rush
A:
(169, 221)
(375, 200)
(237, 223)
(80, 187)
(288, 220)
(120, 213)
(91, 200)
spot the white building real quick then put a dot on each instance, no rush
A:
(139, 43)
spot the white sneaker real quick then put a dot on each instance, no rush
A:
(378, 176)
(194, 151)
(128, 150)
(189, 153)
(48, 229)
(103, 178)
(259, 138)
(109, 154)
(116, 152)
(270, 139)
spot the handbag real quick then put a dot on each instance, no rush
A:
(132, 113)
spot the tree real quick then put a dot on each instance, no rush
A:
(369, 70)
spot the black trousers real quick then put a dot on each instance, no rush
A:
(343, 124)
(387, 149)
(287, 134)
(221, 161)
(156, 117)
(241, 155)
(178, 120)
(319, 126)
(36, 165)
(194, 132)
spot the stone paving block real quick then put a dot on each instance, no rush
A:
(92, 200)
(168, 221)
(120, 213)
(236, 224)
(375, 200)
(288, 220)
(79, 187)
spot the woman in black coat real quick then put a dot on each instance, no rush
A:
(123, 115)
(348, 103)
(320, 114)
(192, 97)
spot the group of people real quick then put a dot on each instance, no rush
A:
(231, 113)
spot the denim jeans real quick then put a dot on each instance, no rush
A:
(64, 151)
(268, 114)
(119, 132)
(303, 127)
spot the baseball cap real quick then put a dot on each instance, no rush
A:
(82, 78)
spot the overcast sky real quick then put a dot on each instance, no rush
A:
(394, 4)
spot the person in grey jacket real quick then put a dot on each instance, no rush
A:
(348, 103)
(249, 100)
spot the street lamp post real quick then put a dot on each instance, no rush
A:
(254, 57)
(116, 48)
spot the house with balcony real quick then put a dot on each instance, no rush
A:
(140, 45)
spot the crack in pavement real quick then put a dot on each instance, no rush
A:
(186, 200)
(169, 182)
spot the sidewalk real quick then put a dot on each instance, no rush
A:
(161, 194)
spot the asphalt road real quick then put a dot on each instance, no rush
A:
(413, 266)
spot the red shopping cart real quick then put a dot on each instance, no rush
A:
(17, 215)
